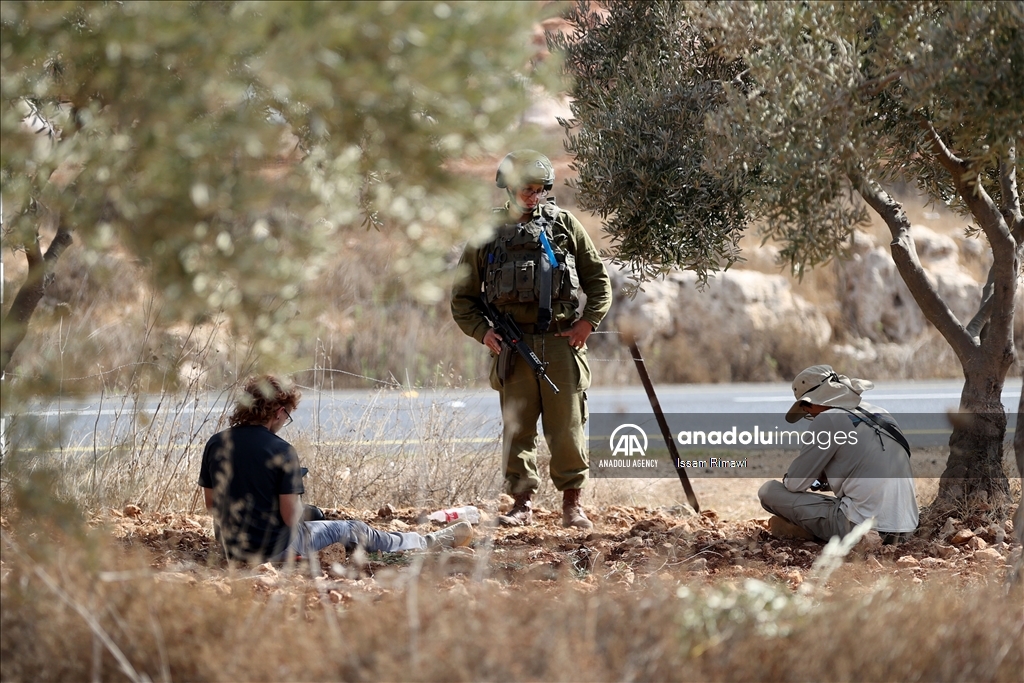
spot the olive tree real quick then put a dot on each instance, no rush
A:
(227, 145)
(693, 121)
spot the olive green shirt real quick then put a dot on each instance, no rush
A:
(568, 233)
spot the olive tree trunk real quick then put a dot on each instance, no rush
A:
(1018, 454)
(984, 346)
(40, 271)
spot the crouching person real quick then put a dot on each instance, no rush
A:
(858, 452)
(251, 480)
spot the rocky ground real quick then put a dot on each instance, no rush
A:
(630, 547)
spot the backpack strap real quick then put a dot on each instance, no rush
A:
(880, 424)
(548, 262)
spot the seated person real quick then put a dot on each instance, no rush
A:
(251, 480)
(858, 451)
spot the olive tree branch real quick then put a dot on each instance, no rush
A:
(996, 301)
(950, 161)
(1011, 198)
(1011, 213)
(904, 255)
(984, 308)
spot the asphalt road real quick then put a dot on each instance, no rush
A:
(410, 417)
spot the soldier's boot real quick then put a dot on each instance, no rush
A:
(572, 511)
(521, 513)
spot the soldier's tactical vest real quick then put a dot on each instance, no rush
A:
(514, 262)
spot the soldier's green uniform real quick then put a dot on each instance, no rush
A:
(506, 272)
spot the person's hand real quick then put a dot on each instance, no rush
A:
(577, 334)
(492, 340)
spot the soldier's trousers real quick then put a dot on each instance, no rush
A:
(525, 398)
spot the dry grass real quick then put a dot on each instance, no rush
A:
(363, 465)
(146, 599)
(76, 607)
(152, 458)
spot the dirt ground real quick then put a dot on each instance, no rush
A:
(631, 544)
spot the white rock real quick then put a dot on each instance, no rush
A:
(878, 302)
(697, 565)
(870, 543)
(933, 247)
(988, 556)
(973, 249)
(962, 536)
(949, 528)
(861, 350)
(741, 306)
(976, 543)
(933, 563)
(907, 561)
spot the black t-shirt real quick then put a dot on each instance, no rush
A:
(248, 467)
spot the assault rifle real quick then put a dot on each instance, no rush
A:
(512, 337)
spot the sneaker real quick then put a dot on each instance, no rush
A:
(783, 528)
(455, 536)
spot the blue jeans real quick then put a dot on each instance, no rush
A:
(314, 536)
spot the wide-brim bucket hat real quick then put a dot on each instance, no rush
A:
(820, 385)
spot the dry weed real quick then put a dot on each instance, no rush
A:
(78, 608)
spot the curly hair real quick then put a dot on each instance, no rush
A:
(261, 398)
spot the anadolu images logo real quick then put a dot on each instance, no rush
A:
(631, 442)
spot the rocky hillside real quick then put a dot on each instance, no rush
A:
(855, 313)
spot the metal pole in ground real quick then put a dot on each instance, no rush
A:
(666, 433)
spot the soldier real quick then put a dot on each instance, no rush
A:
(531, 271)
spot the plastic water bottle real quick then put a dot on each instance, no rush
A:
(466, 513)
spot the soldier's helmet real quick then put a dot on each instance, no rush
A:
(525, 167)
